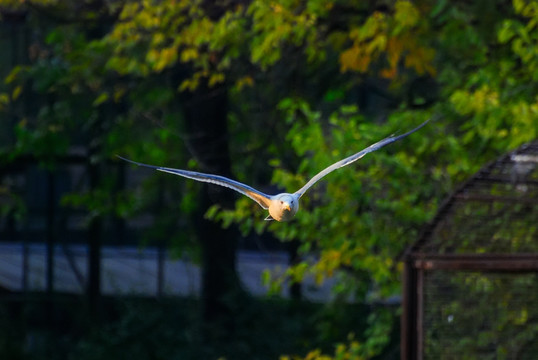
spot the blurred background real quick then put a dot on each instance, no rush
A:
(103, 260)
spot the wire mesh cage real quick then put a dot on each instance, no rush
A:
(471, 280)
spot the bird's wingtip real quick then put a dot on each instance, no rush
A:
(125, 159)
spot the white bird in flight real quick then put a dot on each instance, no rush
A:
(283, 206)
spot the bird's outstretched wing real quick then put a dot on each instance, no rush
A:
(262, 199)
(355, 157)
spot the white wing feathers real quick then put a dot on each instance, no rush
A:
(262, 199)
(354, 157)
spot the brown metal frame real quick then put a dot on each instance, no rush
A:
(412, 332)
(476, 262)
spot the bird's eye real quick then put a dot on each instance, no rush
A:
(282, 202)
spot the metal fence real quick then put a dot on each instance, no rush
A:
(471, 280)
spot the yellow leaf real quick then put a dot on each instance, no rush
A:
(406, 14)
(189, 54)
(378, 43)
(16, 92)
(13, 74)
(215, 79)
(188, 84)
(100, 99)
(129, 10)
(354, 59)
(152, 56)
(389, 73)
(158, 39)
(244, 81)
(166, 58)
(118, 93)
(394, 51)
(421, 60)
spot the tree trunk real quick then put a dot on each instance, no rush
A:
(206, 124)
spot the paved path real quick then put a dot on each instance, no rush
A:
(131, 270)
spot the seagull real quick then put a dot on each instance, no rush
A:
(283, 206)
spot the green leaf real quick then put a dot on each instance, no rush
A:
(103, 97)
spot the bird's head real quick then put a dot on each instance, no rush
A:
(287, 202)
(284, 206)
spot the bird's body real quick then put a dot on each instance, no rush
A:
(283, 206)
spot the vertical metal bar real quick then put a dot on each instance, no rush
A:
(94, 249)
(405, 325)
(420, 313)
(25, 263)
(160, 270)
(118, 220)
(161, 245)
(50, 232)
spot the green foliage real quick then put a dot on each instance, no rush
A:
(277, 24)
(293, 68)
(395, 37)
(172, 329)
(504, 328)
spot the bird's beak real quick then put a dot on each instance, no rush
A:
(287, 207)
